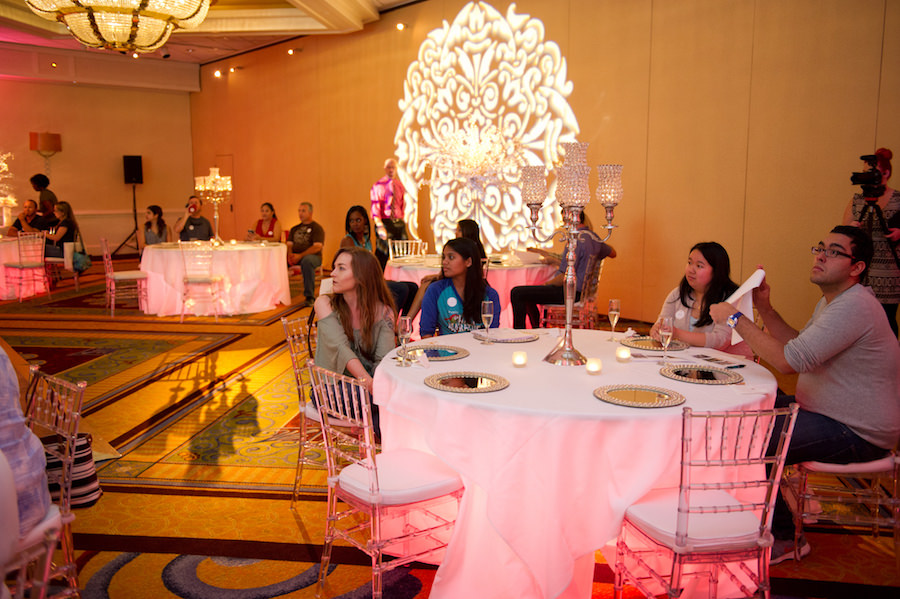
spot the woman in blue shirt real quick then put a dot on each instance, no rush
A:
(452, 304)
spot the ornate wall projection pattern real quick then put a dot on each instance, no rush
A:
(489, 69)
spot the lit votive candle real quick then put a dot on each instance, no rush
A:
(594, 366)
(234, 242)
(623, 354)
(520, 359)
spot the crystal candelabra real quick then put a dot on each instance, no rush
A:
(214, 189)
(572, 194)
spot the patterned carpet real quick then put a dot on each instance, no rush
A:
(203, 415)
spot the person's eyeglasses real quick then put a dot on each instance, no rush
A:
(829, 253)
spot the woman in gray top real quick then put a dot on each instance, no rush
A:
(356, 321)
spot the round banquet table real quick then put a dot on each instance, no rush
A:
(548, 469)
(9, 253)
(255, 277)
(502, 277)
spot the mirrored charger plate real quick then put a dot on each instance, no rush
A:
(648, 343)
(466, 382)
(506, 335)
(638, 396)
(434, 353)
(701, 375)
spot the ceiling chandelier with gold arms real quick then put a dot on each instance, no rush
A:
(123, 25)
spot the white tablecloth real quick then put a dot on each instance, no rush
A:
(255, 277)
(549, 469)
(502, 277)
(9, 252)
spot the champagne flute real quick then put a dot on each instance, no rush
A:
(613, 317)
(404, 332)
(487, 317)
(666, 330)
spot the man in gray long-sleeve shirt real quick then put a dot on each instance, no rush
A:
(847, 358)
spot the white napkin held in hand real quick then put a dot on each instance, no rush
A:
(742, 299)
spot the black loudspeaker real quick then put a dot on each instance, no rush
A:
(134, 172)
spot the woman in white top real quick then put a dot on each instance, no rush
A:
(706, 281)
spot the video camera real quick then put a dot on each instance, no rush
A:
(869, 180)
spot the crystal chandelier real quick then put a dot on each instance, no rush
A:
(476, 156)
(214, 189)
(572, 194)
(124, 25)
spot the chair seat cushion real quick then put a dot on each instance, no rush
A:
(54, 260)
(404, 476)
(885, 464)
(128, 275)
(201, 280)
(24, 265)
(657, 512)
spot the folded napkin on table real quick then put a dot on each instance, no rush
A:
(528, 257)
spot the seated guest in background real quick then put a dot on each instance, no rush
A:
(848, 387)
(29, 220)
(23, 451)
(706, 281)
(356, 320)
(267, 227)
(155, 228)
(304, 246)
(526, 298)
(65, 231)
(359, 234)
(469, 229)
(192, 226)
(452, 304)
(47, 199)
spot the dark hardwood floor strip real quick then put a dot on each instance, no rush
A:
(169, 490)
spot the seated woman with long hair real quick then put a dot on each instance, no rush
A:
(706, 281)
(452, 304)
(155, 228)
(469, 229)
(359, 235)
(65, 231)
(356, 320)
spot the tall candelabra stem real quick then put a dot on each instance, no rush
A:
(218, 239)
(565, 354)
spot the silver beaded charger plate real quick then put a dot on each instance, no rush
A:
(701, 375)
(466, 382)
(648, 343)
(639, 396)
(435, 353)
(506, 336)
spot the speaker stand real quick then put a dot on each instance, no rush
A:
(134, 232)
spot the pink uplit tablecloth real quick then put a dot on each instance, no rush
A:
(549, 469)
(9, 252)
(502, 277)
(255, 277)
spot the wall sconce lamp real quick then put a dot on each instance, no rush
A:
(45, 144)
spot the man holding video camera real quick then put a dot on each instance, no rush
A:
(877, 210)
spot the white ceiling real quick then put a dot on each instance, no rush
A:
(231, 27)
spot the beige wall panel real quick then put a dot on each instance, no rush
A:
(98, 126)
(816, 69)
(261, 120)
(699, 94)
(888, 132)
(608, 62)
